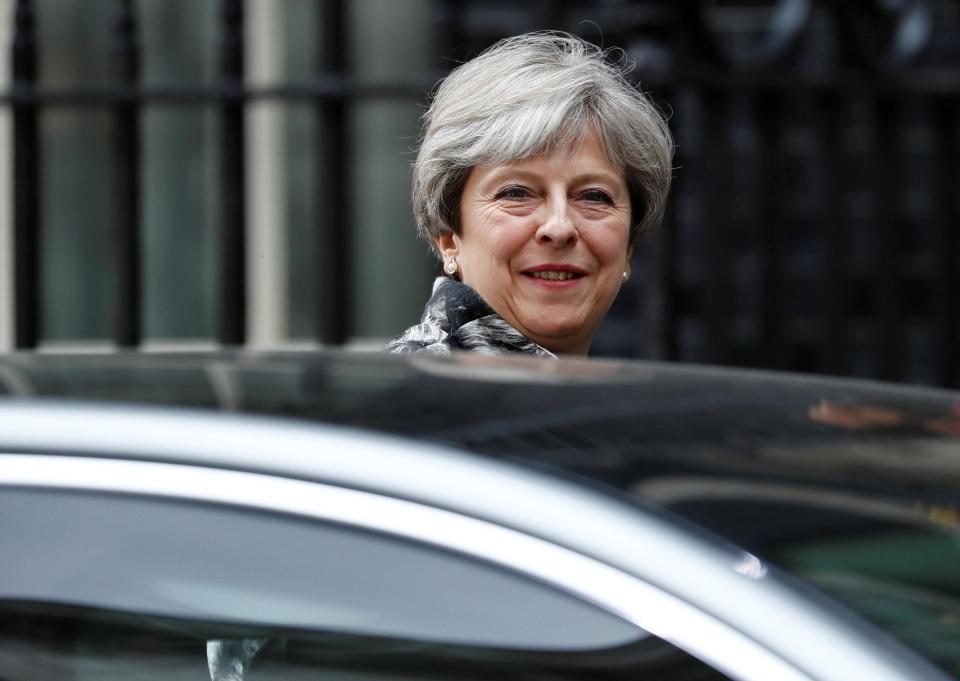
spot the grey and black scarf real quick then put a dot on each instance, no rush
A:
(457, 318)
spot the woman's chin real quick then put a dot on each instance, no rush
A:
(560, 337)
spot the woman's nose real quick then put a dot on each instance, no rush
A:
(557, 228)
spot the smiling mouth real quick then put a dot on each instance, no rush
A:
(553, 275)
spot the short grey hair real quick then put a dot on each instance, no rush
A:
(529, 94)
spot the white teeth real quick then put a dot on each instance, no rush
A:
(553, 276)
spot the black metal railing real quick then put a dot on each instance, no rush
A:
(793, 239)
(231, 327)
(126, 181)
(332, 290)
(26, 198)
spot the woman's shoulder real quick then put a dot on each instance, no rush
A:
(457, 318)
(404, 344)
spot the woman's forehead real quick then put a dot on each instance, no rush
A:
(586, 149)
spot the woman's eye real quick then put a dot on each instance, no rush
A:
(513, 193)
(597, 196)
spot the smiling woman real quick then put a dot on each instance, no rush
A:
(540, 167)
(545, 242)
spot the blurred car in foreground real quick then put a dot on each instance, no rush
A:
(357, 516)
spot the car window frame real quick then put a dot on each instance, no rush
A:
(641, 604)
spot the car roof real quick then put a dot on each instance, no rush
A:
(654, 430)
(620, 423)
(679, 436)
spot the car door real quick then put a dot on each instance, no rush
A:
(117, 585)
(120, 569)
(168, 544)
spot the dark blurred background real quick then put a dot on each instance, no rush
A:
(196, 173)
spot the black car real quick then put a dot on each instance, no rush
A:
(359, 516)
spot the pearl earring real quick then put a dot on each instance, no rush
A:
(452, 266)
(625, 278)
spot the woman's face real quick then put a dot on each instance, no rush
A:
(545, 242)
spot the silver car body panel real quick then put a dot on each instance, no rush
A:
(722, 605)
(614, 590)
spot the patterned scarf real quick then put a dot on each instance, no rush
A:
(457, 318)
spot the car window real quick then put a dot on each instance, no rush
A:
(48, 642)
(233, 564)
(902, 577)
(104, 586)
(892, 561)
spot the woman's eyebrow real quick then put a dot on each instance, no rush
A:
(605, 178)
(508, 173)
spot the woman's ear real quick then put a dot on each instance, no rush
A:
(448, 244)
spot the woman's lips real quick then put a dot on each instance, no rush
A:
(555, 276)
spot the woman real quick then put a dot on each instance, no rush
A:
(540, 167)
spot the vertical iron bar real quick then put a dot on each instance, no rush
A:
(947, 110)
(232, 322)
(771, 113)
(716, 273)
(126, 168)
(333, 220)
(834, 341)
(26, 180)
(890, 320)
(668, 255)
(668, 272)
(685, 188)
